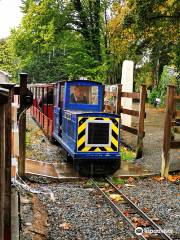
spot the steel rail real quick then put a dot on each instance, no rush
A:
(115, 208)
(135, 207)
(140, 212)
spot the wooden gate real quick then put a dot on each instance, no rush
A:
(171, 123)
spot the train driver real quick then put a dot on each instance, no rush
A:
(78, 96)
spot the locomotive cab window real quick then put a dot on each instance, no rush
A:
(84, 94)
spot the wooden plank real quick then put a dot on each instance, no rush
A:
(4, 94)
(129, 129)
(2, 168)
(17, 90)
(7, 202)
(175, 144)
(177, 113)
(130, 112)
(118, 98)
(8, 143)
(132, 95)
(22, 126)
(167, 131)
(139, 147)
(177, 98)
(103, 96)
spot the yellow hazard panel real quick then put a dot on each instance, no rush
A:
(105, 134)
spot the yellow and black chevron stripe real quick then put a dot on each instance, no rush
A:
(81, 138)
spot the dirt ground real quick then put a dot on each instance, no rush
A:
(153, 141)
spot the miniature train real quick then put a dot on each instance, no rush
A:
(71, 112)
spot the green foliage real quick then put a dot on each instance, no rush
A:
(127, 155)
(118, 181)
(68, 39)
(144, 75)
(153, 95)
(8, 62)
(61, 40)
(168, 76)
(140, 28)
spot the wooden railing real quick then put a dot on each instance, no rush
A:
(171, 124)
(139, 131)
(4, 98)
(6, 94)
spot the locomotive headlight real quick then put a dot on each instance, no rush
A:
(98, 133)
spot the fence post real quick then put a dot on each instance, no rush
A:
(143, 95)
(118, 98)
(7, 203)
(167, 131)
(103, 95)
(3, 101)
(2, 168)
(22, 125)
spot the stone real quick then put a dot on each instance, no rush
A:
(127, 86)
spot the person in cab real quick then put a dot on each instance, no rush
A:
(78, 96)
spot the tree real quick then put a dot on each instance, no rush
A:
(8, 62)
(61, 39)
(139, 28)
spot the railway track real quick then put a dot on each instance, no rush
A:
(142, 225)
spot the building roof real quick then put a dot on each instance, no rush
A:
(5, 73)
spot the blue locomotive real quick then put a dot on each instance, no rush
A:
(90, 136)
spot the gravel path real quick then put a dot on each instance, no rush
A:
(75, 212)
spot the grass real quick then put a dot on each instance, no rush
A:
(126, 154)
(118, 181)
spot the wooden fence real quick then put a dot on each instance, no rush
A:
(140, 114)
(141, 96)
(7, 92)
(5, 159)
(4, 98)
(171, 123)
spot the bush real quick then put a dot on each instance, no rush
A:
(153, 95)
(168, 76)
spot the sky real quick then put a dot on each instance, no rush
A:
(10, 16)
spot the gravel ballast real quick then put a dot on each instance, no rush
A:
(75, 211)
